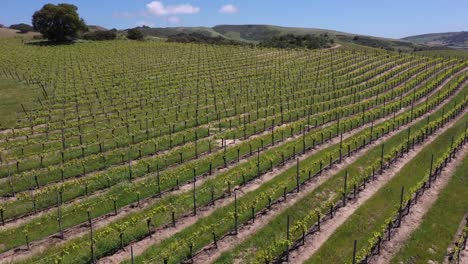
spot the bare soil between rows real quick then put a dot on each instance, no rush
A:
(417, 212)
(315, 241)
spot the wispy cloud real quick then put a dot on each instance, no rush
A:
(157, 8)
(228, 9)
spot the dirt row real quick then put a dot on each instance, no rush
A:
(414, 219)
(231, 142)
(99, 222)
(26, 218)
(21, 220)
(313, 242)
(141, 245)
(83, 229)
(55, 131)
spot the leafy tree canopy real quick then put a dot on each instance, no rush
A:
(135, 34)
(58, 22)
(291, 41)
(196, 37)
(100, 35)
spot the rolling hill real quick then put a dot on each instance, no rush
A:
(258, 33)
(251, 33)
(264, 32)
(458, 40)
(11, 33)
(171, 31)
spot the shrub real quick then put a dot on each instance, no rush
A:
(135, 34)
(100, 35)
(291, 41)
(23, 28)
(196, 37)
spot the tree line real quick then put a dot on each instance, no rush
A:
(291, 41)
(202, 38)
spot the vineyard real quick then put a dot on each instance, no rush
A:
(153, 152)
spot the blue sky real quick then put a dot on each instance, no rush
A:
(386, 18)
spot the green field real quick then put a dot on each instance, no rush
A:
(14, 93)
(441, 222)
(166, 148)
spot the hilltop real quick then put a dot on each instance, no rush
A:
(258, 33)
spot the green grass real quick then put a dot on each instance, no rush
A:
(373, 214)
(14, 93)
(327, 191)
(435, 234)
(107, 208)
(133, 98)
(265, 237)
(184, 202)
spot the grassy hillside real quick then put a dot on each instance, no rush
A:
(11, 33)
(382, 43)
(171, 31)
(258, 33)
(447, 39)
(264, 32)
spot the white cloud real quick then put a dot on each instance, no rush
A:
(157, 8)
(144, 23)
(229, 9)
(174, 20)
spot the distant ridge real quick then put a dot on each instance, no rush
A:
(257, 33)
(457, 40)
